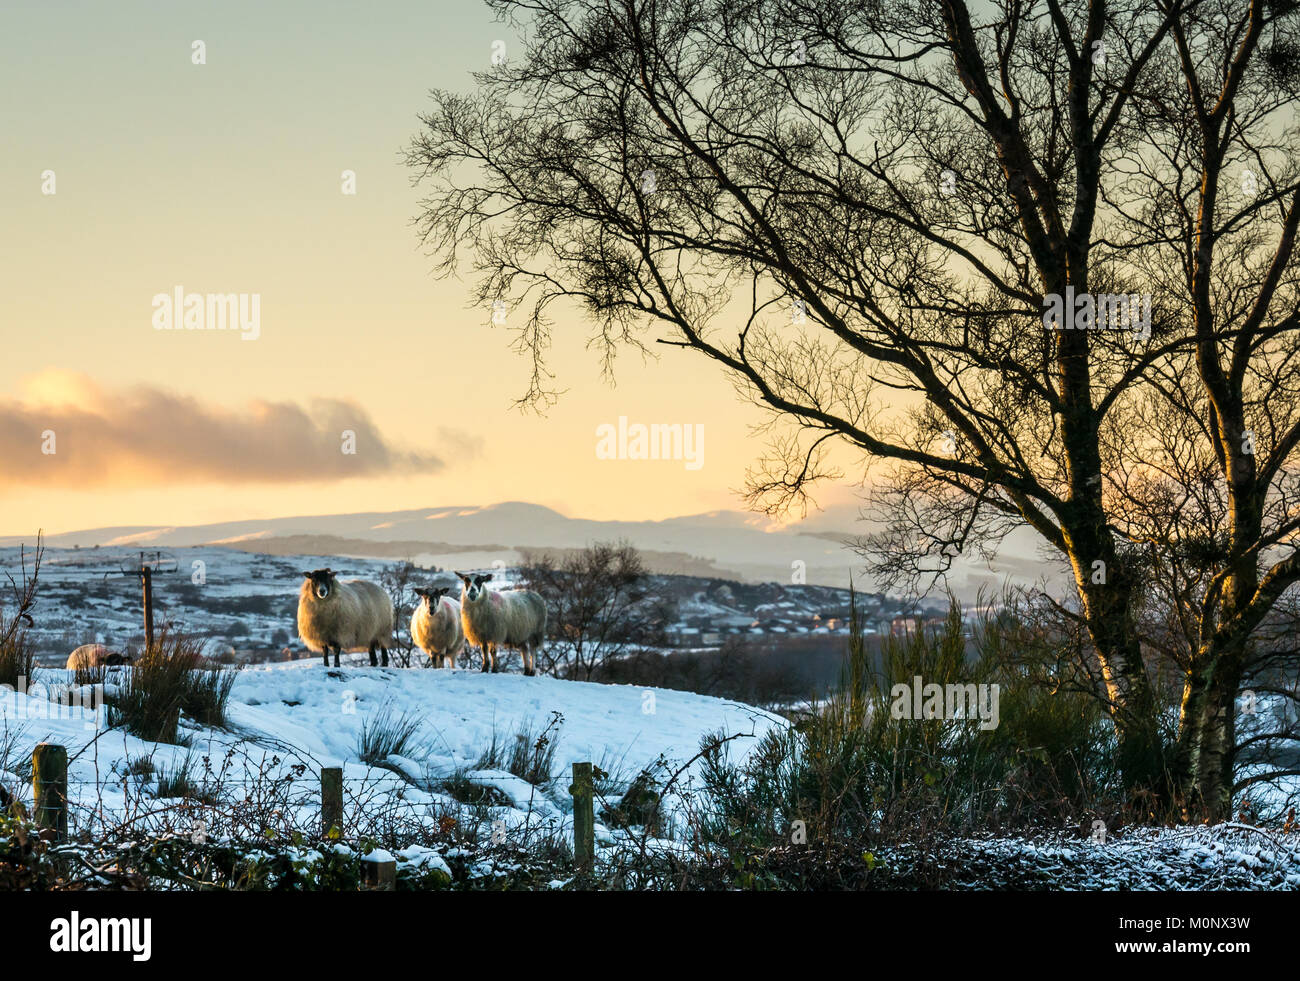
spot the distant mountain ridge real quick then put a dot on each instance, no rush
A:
(727, 544)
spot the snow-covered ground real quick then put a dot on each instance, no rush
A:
(1220, 857)
(289, 720)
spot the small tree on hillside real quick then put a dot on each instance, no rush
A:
(399, 581)
(599, 606)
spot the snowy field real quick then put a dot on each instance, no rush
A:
(289, 720)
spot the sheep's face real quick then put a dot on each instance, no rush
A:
(431, 597)
(474, 590)
(322, 583)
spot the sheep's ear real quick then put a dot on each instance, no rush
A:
(483, 579)
(464, 578)
(306, 575)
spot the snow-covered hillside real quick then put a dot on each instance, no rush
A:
(287, 721)
(246, 602)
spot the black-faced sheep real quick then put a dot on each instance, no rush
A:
(515, 619)
(435, 626)
(352, 615)
(94, 656)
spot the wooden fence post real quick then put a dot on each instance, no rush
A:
(146, 579)
(378, 872)
(331, 800)
(584, 818)
(50, 787)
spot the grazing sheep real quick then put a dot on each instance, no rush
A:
(435, 626)
(353, 615)
(94, 656)
(515, 619)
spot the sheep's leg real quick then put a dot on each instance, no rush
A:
(495, 664)
(325, 653)
(527, 653)
(384, 650)
(374, 661)
(487, 659)
(337, 651)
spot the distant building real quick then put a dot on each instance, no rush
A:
(902, 626)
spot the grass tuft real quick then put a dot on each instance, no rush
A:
(387, 733)
(166, 680)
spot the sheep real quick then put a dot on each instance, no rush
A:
(492, 619)
(353, 615)
(435, 626)
(94, 656)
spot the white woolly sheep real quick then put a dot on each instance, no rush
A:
(435, 626)
(515, 619)
(94, 656)
(352, 615)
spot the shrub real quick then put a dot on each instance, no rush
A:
(17, 659)
(179, 781)
(206, 695)
(139, 766)
(532, 756)
(460, 788)
(387, 733)
(17, 652)
(851, 773)
(164, 681)
(527, 754)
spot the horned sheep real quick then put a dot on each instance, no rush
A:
(347, 615)
(491, 619)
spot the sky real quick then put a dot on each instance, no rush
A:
(227, 178)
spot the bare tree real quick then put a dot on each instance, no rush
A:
(399, 581)
(599, 603)
(17, 651)
(882, 222)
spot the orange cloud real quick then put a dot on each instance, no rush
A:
(70, 433)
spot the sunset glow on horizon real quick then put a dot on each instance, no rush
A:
(226, 179)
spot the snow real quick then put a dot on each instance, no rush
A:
(460, 710)
(302, 714)
(1219, 857)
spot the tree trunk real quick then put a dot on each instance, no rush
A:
(1131, 701)
(1204, 757)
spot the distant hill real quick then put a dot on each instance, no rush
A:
(723, 544)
